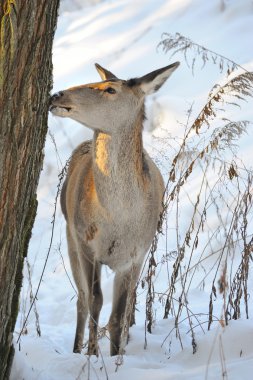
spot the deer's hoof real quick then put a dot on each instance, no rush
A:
(92, 349)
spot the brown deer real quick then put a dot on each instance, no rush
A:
(112, 196)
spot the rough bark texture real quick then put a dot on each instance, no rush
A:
(26, 34)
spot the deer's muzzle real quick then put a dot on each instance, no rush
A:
(55, 104)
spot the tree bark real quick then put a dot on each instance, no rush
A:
(26, 33)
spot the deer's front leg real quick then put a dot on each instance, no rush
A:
(95, 305)
(122, 310)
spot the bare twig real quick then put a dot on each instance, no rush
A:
(61, 178)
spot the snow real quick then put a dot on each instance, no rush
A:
(122, 35)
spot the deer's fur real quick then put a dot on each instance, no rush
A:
(112, 196)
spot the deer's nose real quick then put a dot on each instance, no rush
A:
(56, 96)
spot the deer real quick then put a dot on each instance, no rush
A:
(111, 198)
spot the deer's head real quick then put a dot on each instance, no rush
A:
(110, 104)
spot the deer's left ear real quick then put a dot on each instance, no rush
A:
(104, 74)
(151, 82)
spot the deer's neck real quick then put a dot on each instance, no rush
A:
(119, 157)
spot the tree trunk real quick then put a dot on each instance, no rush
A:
(26, 34)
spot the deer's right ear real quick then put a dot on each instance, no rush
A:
(104, 74)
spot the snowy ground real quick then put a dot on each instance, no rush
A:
(123, 35)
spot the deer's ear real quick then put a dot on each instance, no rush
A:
(151, 82)
(104, 74)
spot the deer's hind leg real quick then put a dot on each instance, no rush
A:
(91, 270)
(86, 272)
(82, 299)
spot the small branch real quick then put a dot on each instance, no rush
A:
(61, 177)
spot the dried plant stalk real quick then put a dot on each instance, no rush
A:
(228, 188)
(184, 45)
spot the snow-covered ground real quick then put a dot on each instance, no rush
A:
(122, 35)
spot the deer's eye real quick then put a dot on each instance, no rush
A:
(110, 90)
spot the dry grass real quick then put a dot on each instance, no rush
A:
(214, 238)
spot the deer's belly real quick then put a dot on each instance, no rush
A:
(121, 245)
